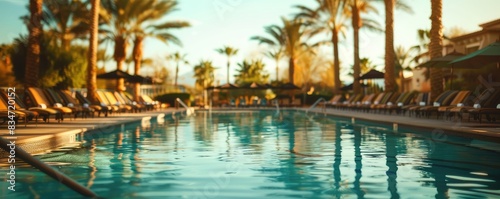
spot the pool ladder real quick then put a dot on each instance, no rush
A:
(316, 104)
(189, 110)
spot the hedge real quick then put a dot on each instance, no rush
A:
(170, 98)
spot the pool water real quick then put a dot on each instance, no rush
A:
(263, 154)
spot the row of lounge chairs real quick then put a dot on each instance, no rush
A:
(58, 104)
(262, 102)
(448, 104)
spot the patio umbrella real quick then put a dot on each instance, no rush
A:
(225, 86)
(350, 87)
(479, 58)
(443, 62)
(372, 74)
(140, 79)
(116, 74)
(256, 86)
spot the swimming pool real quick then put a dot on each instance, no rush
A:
(262, 154)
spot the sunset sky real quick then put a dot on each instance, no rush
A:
(232, 22)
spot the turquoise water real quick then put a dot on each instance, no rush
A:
(265, 155)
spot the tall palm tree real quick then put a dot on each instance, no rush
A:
(228, 51)
(145, 26)
(389, 76)
(92, 52)
(204, 75)
(276, 55)
(436, 46)
(66, 20)
(329, 17)
(251, 71)
(120, 16)
(357, 7)
(178, 58)
(33, 51)
(288, 38)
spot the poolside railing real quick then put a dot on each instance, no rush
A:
(189, 110)
(316, 103)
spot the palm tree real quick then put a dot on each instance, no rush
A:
(178, 58)
(436, 46)
(276, 55)
(143, 27)
(66, 20)
(92, 54)
(357, 7)
(329, 17)
(228, 51)
(33, 51)
(204, 74)
(251, 71)
(389, 76)
(288, 38)
(403, 59)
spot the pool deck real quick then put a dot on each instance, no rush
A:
(39, 138)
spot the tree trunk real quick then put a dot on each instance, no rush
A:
(291, 69)
(119, 56)
(356, 66)
(436, 47)
(336, 61)
(228, 65)
(402, 81)
(92, 53)
(389, 75)
(277, 70)
(137, 53)
(33, 51)
(176, 73)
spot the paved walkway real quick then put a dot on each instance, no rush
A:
(483, 131)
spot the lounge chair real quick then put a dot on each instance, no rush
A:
(104, 101)
(125, 101)
(19, 106)
(86, 109)
(415, 110)
(403, 100)
(390, 98)
(55, 98)
(354, 99)
(367, 101)
(149, 102)
(422, 99)
(336, 99)
(6, 113)
(100, 107)
(439, 108)
(36, 100)
(442, 100)
(263, 102)
(484, 104)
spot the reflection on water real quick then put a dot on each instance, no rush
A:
(260, 154)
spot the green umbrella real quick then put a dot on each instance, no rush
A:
(443, 62)
(479, 58)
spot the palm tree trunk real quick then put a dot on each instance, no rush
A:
(33, 51)
(277, 70)
(336, 61)
(119, 56)
(92, 55)
(137, 53)
(228, 65)
(356, 66)
(291, 69)
(402, 81)
(176, 73)
(389, 75)
(436, 47)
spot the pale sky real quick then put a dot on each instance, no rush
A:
(216, 23)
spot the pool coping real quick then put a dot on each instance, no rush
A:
(47, 142)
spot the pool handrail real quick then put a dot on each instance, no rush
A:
(189, 110)
(63, 179)
(316, 103)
